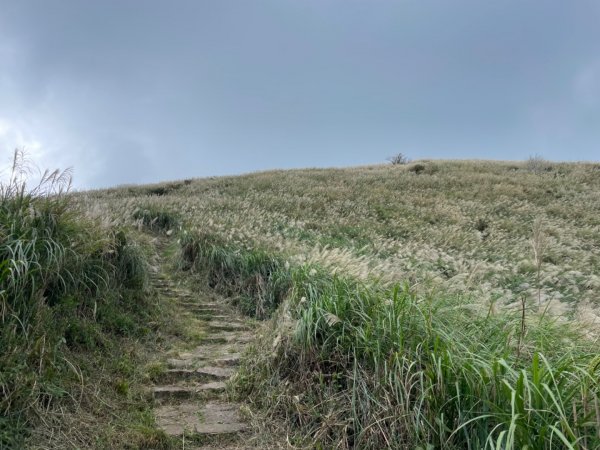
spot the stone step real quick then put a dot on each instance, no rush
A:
(201, 374)
(157, 278)
(173, 391)
(200, 355)
(212, 418)
(213, 339)
(219, 318)
(244, 339)
(227, 326)
(209, 315)
(161, 284)
(200, 304)
(226, 338)
(167, 285)
(186, 363)
(175, 293)
(230, 360)
(206, 351)
(202, 310)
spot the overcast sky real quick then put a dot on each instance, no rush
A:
(141, 91)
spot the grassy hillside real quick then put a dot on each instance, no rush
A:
(440, 304)
(460, 227)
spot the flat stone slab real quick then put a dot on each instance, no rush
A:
(215, 386)
(244, 339)
(216, 372)
(177, 391)
(227, 338)
(186, 363)
(198, 305)
(208, 351)
(208, 419)
(204, 314)
(170, 290)
(230, 360)
(221, 319)
(200, 374)
(201, 304)
(225, 326)
(200, 311)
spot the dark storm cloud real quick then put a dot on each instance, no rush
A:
(130, 91)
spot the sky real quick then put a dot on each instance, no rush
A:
(130, 91)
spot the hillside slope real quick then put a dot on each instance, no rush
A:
(440, 304)
(453, 226)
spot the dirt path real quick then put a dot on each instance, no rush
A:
(190, 399)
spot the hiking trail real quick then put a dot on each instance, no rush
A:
(190, 402)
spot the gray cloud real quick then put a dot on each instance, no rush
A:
(132, 91)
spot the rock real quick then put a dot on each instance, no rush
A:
(229, 360)
(201, 374)
(191, 418)
(177, 391)
(224, 326)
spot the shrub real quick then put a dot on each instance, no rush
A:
(417, 168)
(398, 159)
(481, 224)
(163, 189)
(537, 164)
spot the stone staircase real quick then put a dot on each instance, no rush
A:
(189, 396)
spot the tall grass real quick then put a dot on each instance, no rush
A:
(64, 282)
(360, 365)
(257, 281)
(436, 371)
(156, 219)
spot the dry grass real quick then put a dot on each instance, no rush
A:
(458, 226)
(414, 304)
